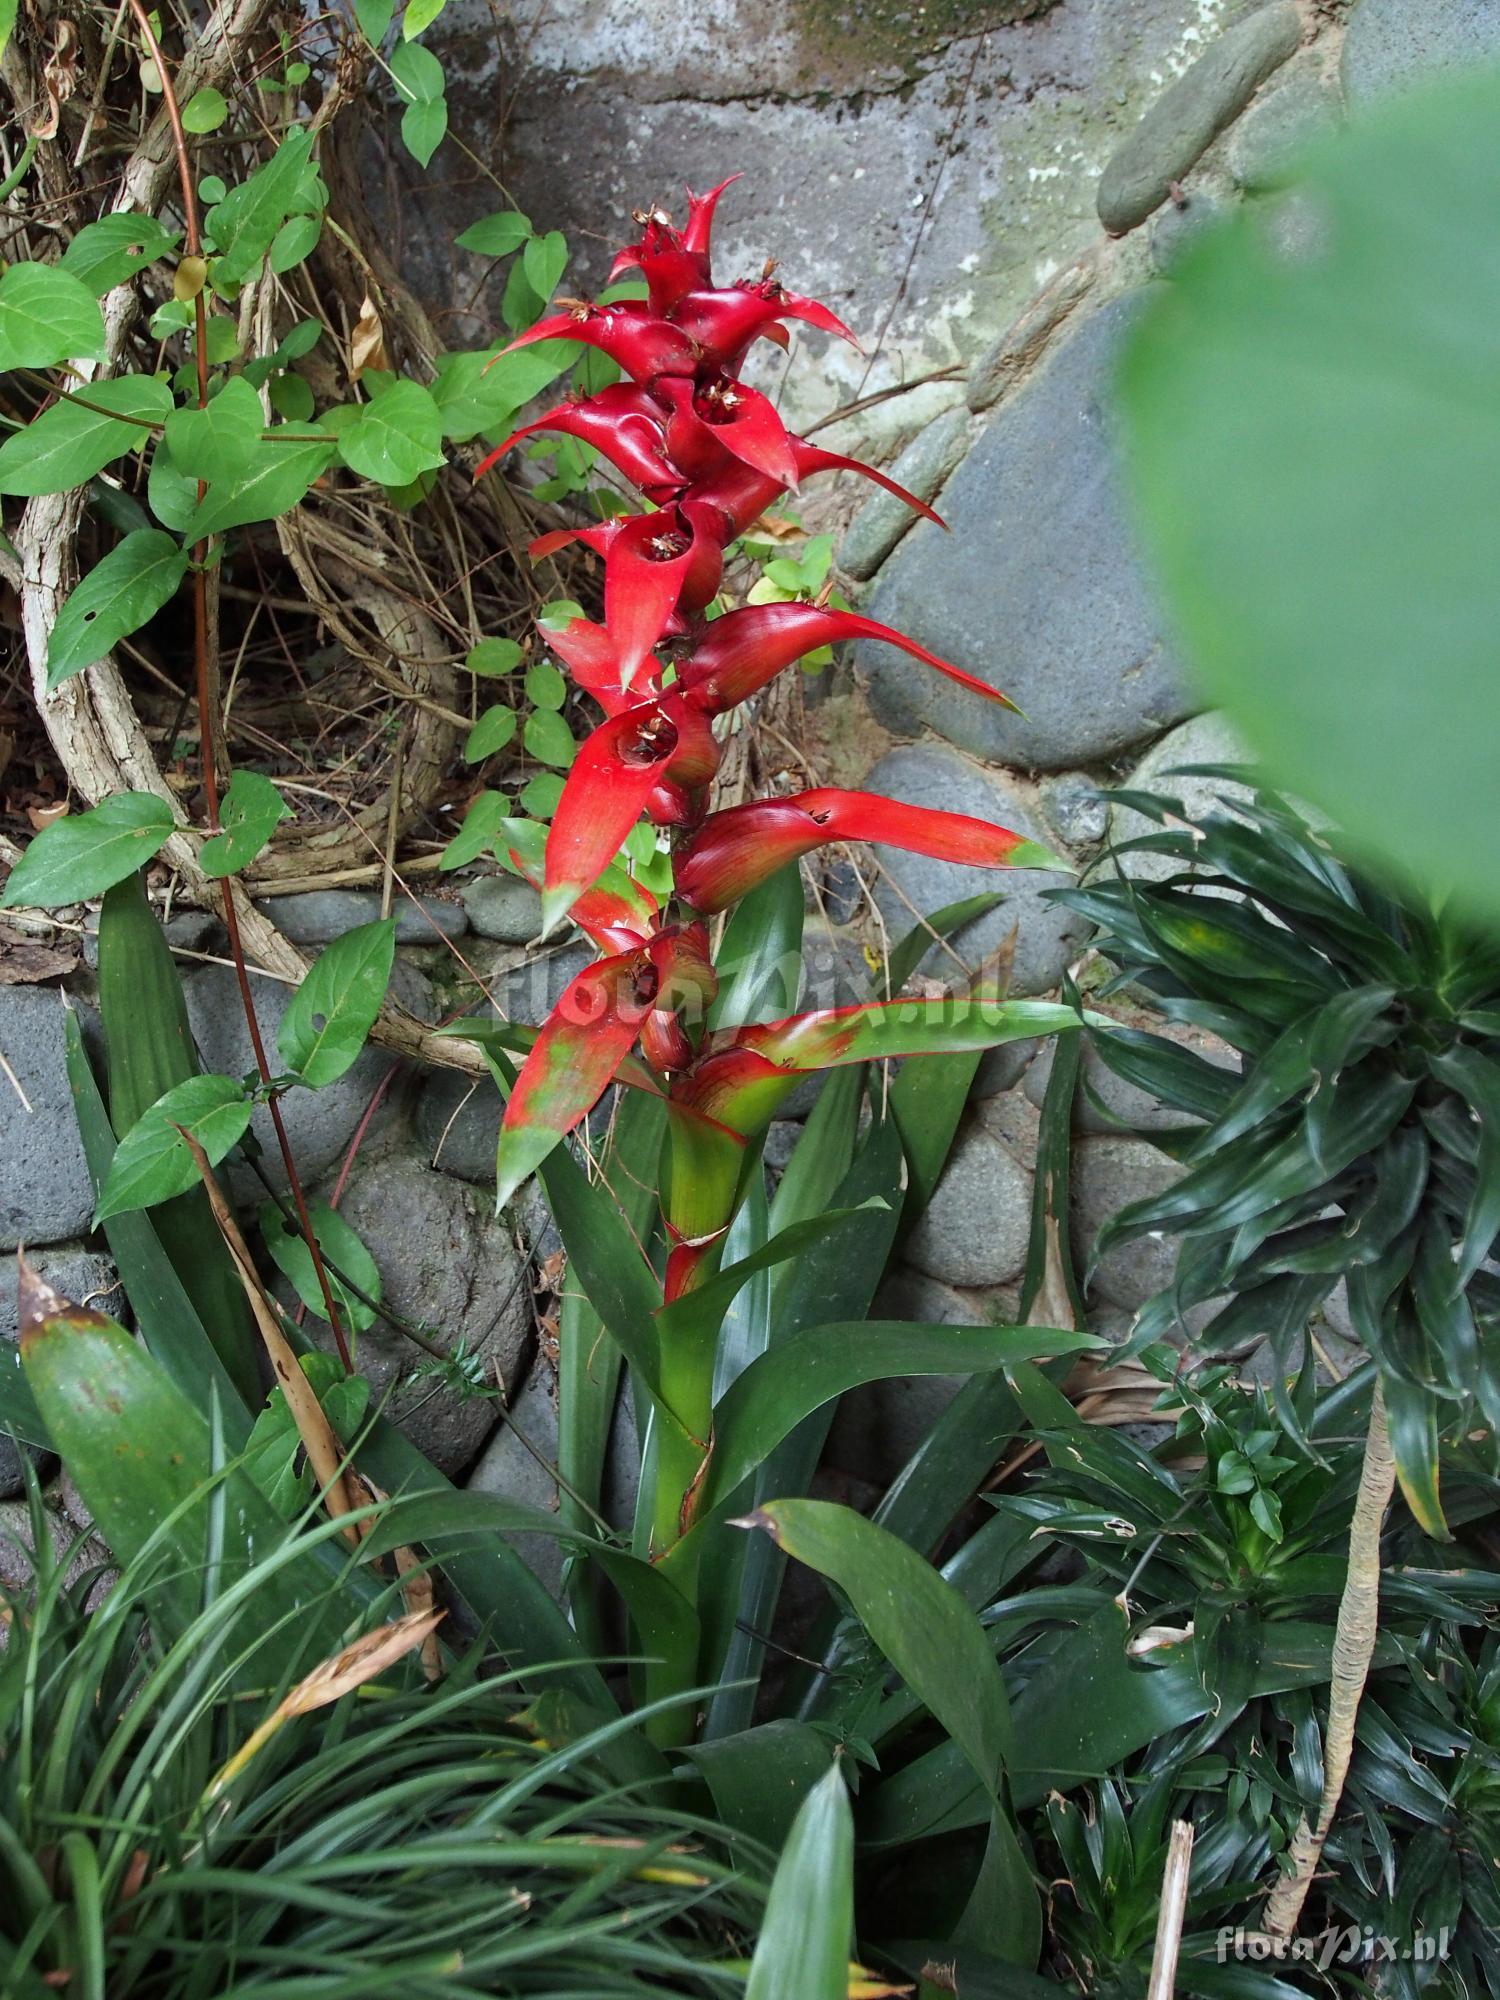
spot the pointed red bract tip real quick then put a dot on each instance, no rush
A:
(698, 230)
(636, 340)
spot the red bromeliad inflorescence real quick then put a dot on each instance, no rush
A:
(708, 453)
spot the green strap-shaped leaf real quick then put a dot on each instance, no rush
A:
(332, 1011)
(759, 1777)
(1083, 1712)
(885, 1028)
(1476, 1078)
(790, 1381)
(170, 1320)
(149, 1048)
(805, 1939)
(939, 1648)
(760, 959)
(83, 854)
(140, 1454)
(833, 1280)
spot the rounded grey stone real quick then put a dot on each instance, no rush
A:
(1038, 589)
(1028, 333)
(1076, 808)
(1003, 1068)
(196, 930)
(45, 1191)
(1109, 1174)
(1190, 113)
(1393, 43)
(1266, 142)
(319, 1123)
(503, 907)
(1046, 936)
(974, 1230)
(1205, 739)
(325, 914)
(1175, 227)
(447, 1264)
(923, 469)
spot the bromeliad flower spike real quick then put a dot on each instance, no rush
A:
(708, 453)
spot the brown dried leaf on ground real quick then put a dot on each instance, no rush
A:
(26, 961)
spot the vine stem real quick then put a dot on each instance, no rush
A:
(1354, 1637)
(208, 735)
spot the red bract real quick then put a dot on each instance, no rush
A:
(621, 422)
(635, 340)
(588, 1035)
(733, 851)
(708, 453)
(723, 416)
(739, 653)
(615, 773)
(672, 263)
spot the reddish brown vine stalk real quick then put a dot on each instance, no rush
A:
(207, 733)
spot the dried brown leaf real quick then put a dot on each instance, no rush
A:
(325, 1454)
(367, 343)
(28, 962)
(360, 1661)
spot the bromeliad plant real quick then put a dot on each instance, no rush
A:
(709, 453)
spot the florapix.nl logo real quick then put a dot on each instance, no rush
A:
(1347, 1944)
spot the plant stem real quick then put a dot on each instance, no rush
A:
(1353, 1648)
(208, 734)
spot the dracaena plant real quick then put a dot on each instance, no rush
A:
(708, 452)
(1361, 1140)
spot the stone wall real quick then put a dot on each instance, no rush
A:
(986, 187)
